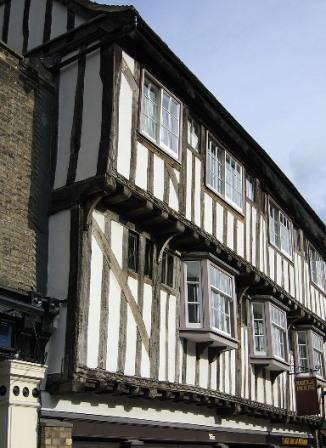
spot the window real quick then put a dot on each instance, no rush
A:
(160, 119)
(148, 266)
(221, 293)
(317, 269)
(280, 230)
(167, 276)
(259, 328)
(318, 354)
(310, 352)
(133, 242)
(193, 293)
(209, 302)
(193, 134)
(224, 175)
(250, 188)
(302, 347)
(5, 335)
(278, 320)
(269, 343)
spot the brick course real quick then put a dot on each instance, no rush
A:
(25, 115)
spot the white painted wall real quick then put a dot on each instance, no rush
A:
(67, 88)
(59, 20)
(92, 118)
(59, 255)
(36, 23)
(141, 166)
(125, 124)
(56, 346)
(15, 30)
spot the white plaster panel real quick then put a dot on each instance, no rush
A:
(229, 234)
(268, 386)
(248, 224)
(191, 363)
(219, 221)
(67, 87)
(271, 255)
(131, 332)
(173, 197)
(94, 311)
(116, 240)
(226, 375)
(240, 238)
(158, 177)
(163, 337)
(59, 20)
(197, 200)
(279, 268)
(59, 255)
(15, 29)
(188, 184)
(171, 338)
(91, 119)
(286, 274)
(125, 124)
(203, 369)
(100, 219)
(147, 317)
(113, 324)
(141, 166)
(36, 23)
(208, 219)
(129, 61)
(260, 389)
(292, 280)
(56, 346)
(214, 375)
(254, 231)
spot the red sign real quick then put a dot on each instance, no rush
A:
(306, 396)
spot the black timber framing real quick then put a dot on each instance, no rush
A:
(128, 29)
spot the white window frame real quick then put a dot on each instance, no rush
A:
(280, 328)
(224, 295)
(158, 140)
(271, 221)
(200, 295)
(322, 270)
(264, 335)
(222, 179)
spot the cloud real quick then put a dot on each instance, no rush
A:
(308, 173)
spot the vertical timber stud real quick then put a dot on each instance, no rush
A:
(25, 25)
(48, 21)
(107, 68)
(77, 120)
(141, 267)
(154, 340)
(6, 21)
(115, 96)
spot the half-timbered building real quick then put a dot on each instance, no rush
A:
(189, 272)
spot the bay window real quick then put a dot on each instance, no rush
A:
(317, 269)
(224, 175)
(209, 302)
(309, 349)
(280, 230)
(269, 340)
(160, 117)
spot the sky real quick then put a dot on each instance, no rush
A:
(265, 61)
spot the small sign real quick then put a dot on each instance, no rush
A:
(306, 396)
(294, 441)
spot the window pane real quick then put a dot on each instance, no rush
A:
(250, 187)
(170, 276)
(150, 109)
(221, 288)
(303, 363)
(133, 251)
(318, 269)
(259, 328)
(215, 167)
(5, 335)
(193, 291)
(233, 180)
(170, 123)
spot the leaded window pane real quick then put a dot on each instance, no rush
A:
(133, 251)
(221, 299)
(303, 359)
(318, 354)
(215, 167)
(280, 230)
(233, 180)
(278, 319)
(318, 269)
(259, 328)
(170, 122)
(150, 109)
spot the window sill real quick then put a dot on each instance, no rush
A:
(231, 204)
(161, 149)
(216, 339)
(281, 252)
(270, 363)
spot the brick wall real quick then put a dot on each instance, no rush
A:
(55, 434)
(25, 114)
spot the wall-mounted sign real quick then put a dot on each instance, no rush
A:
(294, 441)
(306, 396)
